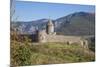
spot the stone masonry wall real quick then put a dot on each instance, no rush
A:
(62, 38)
(67, 39)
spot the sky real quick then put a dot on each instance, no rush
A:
(30, 11)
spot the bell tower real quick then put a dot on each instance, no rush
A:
(50, 27)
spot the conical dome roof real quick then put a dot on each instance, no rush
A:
(50, 22)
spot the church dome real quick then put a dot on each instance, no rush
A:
(50, 22)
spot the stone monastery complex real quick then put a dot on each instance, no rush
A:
(49, 35)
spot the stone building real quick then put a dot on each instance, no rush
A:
(42, 34)
(49, 35)
(50, 27)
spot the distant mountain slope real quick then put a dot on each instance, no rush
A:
(80, 23)
(30, 26)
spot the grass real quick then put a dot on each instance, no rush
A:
(48, 53)
(54, 53)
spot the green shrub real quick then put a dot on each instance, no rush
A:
(20, 54)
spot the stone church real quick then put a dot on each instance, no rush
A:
(49, 31)
(49, 35)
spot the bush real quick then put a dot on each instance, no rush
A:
(20, 52)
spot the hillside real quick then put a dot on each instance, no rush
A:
(49, 53)
(78, 23)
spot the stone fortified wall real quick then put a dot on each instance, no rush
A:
(67, 39)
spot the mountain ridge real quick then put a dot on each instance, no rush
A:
(64, 25)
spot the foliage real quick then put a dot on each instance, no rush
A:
(20, 52)
(51, 53)
(28, 53)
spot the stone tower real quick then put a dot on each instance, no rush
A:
(50, 27)
(41, 36)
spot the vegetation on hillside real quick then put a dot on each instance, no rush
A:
(20, 53)
(51, 53)
(27, 53)
(79, 23)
